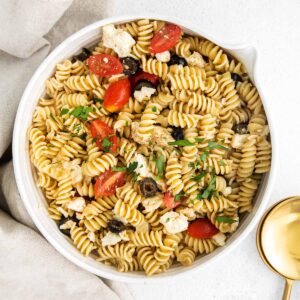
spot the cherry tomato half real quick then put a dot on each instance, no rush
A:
(117, 95)
(202, 229)
(166, 38)
(104, 65)
(169, 200)
(99, 131)
(108, 182)
(141, 75)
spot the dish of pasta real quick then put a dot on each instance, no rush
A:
(149, 147)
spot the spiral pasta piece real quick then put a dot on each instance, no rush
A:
(186, 256)
(147, 260)
(246, 194)
(129, 195)
(154, 66)
(152, 238)
(81, 240)
(99, 165)
(183, 120)
(200, 245)
(131, 215)
(249, 94)
(83, 83)
(163, 253)
(263, 157)
(122, 251)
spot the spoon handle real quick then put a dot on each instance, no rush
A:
(287, 289)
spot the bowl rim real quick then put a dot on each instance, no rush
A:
(18, 154)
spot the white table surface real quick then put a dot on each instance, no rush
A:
(274, 28)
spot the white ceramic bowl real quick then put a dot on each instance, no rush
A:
(33, 197)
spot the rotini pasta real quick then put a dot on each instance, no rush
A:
(128, 180)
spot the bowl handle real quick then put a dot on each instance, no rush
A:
(248, 55)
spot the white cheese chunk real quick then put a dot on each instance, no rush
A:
(76, 174)
(68, 225)
(142, 166)
(161, 136)
(238, 140)
(152, 203)
(63, 212)
(174, 222)
(91, 236)
(163, 56)
(117, 39)
(227, 191)
(144, 93)
(219, 239)
(196, 60)
(78, 204)
(118, 218)
(110, 239)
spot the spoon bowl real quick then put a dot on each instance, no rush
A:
(278, 240)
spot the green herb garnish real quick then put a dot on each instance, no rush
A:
(132, 166)
(106, 144)
(222, 163)
(64, 111)
(181, 143)
(167, 220)
(224, 219)
(192, 165)
(81, 112)
(154, 109)
(135, 176)
(119, 169)
(178, 197)
(52, 117)
(213, 145)
(198, 177)
(97, 100)
(204, 156)
(160, 165)
(199, 140)
(210, 188)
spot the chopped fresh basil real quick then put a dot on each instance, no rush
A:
(225, 219)
(198, 177)
(213, 145)
(52, 117)
(154, 109)
(160, 165)
(119, 169)
(97, 100)
(135, 176)
(106, 144)
(94, 140)
(167, 220)
(181, 143)
(178, 197)
(81, 112)
(64, 111)
(192, 165)
(83, 136)
(199, 140)
(204, 156)
(210, 188)
(132, 166)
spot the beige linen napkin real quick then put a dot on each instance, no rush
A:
(30, 268)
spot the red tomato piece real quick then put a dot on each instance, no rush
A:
(202, 229)
(108, 182)
(117, 95)
(169, 200)
(104, 65)
(166, 38)
(141, 75)
(99, 131)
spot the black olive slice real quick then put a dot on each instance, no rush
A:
(236, 77)
(177, 133)
(65, 220)
(130, 65)
(148, 187)
(85, 53)
(240, 128)
(115, 226)
(177, 60)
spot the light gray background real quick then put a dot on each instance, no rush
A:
(274, 28)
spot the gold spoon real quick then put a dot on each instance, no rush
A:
(278, 241)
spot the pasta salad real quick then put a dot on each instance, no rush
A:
(149, 147)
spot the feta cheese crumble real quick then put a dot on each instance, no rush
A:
(144, 93)
(238, 140)
(196, 60)
(78, 204)
(174, 222)
(152, 203)
(142, 166)
(163, 56)
(117, 39)
(67, 225)
(111, 238)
